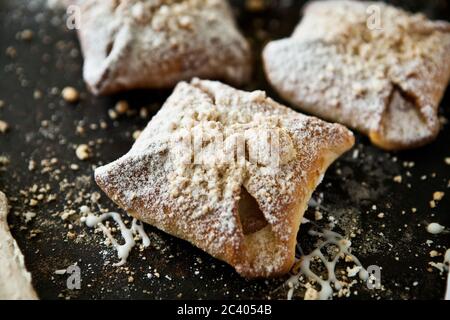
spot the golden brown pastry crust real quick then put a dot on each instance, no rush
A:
(200, 202)
(386, 82)
(131, 44)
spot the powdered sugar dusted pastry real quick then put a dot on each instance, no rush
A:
(130, 44)
(202, 171)
(15, 280)
(368, 65)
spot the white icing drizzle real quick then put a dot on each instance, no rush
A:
(123, 250)
(326, 290)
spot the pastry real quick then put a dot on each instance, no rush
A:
(15, 280)
(367, 65)
(227, 170)
(129, 44)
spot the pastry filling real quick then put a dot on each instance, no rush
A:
(251, 217)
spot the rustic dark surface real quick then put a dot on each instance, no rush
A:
(45, 127)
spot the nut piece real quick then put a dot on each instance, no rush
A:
(438, 195)
(3, 126)
(112, 114)
(83, 152)
(11, 52)
(311, 294)
(26, 35)
(121, 106)
(70, 94)
(255, 5)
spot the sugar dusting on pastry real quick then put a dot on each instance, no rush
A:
(162, 186)
(217, 176)
(155, 44)
(386, 82)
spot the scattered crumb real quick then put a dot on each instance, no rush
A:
(143, 113)
(83, 152)
(71, 235)
(37, 94)
(4, 160)
(398, 179)
(351, 272)
(85, 210)
(121, 107)
(438, 195)
(29, 216)
(318, 215)
(70, 94)
(255, 5)
(11, 52)
(60, 272)
(112, 114)
(3, 126)
(311, 294)
(26, 35)
(31, 165)
(66, 214)
(434, 253)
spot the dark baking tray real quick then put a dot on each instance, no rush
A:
(44, 128)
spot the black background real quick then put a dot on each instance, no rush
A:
(350, 188)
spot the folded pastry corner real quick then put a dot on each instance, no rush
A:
(384, 79)
(136, 44)
(229, 171)
(15, 280)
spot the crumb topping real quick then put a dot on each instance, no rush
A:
(204, 196)
(165, 40)
(386, 78)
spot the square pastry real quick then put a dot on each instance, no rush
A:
(229, 171)
(131, 44)
(368, 65)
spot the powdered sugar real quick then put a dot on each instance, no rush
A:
(152, 44)
(337, 67)
(198, 201)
